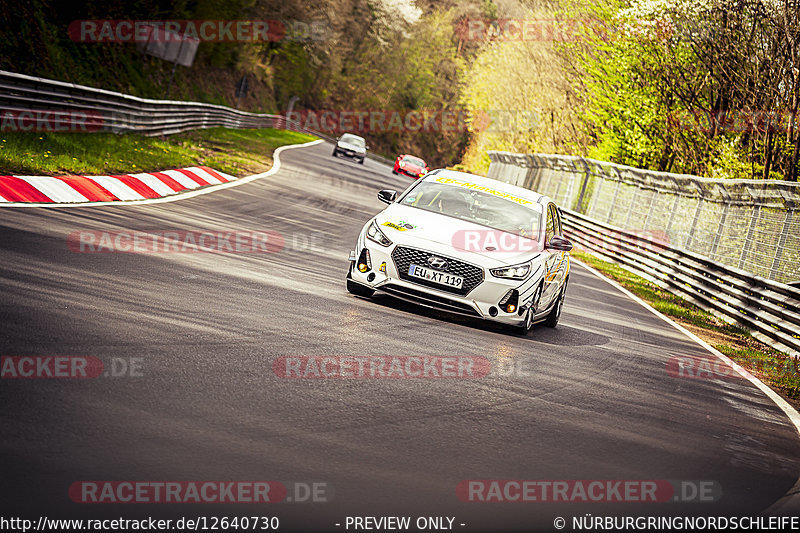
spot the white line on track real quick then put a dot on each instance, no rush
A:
(789, 503)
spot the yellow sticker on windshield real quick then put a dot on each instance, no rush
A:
(476, 187)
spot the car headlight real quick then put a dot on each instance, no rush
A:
(518, 272)
(376, 235)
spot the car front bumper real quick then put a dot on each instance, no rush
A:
(350, 153)
(415, 175)
(483, 301)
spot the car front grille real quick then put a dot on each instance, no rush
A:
(404, 256)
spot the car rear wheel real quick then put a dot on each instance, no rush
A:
(335, 152)
(552, 319)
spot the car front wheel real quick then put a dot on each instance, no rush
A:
(552, 319)
(527, 324)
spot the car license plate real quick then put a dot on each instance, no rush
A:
(442, 278)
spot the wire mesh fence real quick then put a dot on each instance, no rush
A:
(752, 225)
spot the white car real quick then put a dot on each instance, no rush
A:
(469, 245)
(352, 146)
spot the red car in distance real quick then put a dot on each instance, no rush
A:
(410, 166)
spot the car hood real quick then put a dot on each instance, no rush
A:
(348, 146)
(411, 167)
(410, 226)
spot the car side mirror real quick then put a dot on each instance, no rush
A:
(386, 196)
(560, 244)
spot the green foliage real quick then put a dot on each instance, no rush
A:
(415, 68)
(522, 88)
(776, 369)
(674, 85)
(27, 153)
(489, 9)
(370, 55)
(293, 74)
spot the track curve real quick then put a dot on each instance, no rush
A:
(591, 400)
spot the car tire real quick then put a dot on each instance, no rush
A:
(394, 171)
(527, 326)
(361, 161)
(357, 288)
(335, 152)
(552, 319)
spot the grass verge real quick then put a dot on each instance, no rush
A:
(776, 369)
(235, 152)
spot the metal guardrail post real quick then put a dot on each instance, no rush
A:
(585, 182)
(649, 210)
(600, 181)
(720, 229)
(614, 201)
(776, 261)
(554, 196)
(690, 236)
(672, 213)
(630, 209)
(748, 241)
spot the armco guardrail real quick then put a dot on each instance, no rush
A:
(90, 109)
(690, 235)
(122, 113)
(772, 309)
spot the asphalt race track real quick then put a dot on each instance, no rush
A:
(589, 400)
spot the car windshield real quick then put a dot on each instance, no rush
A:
(414, 161)
(352, 139)
(481, 205)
